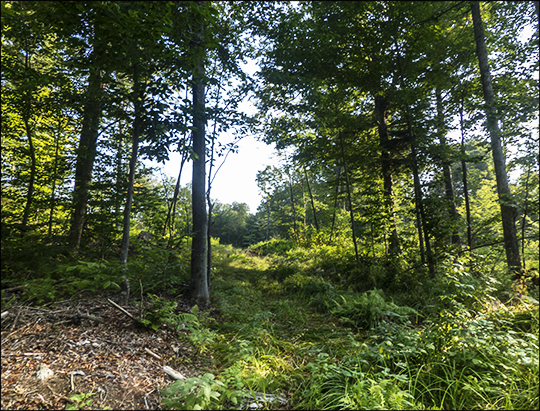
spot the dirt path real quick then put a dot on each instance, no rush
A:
(108, 359)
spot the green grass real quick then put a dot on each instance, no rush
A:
(285, 327)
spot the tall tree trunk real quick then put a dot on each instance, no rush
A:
(293, 207)
(54, 178)
(86, 152)
(388, 184)
(338, 172)
(506, 201)
(169, 221)
(418, 204)
(267, 219)
(138, 95)
(31, 182)
(137, 102)
(524, 220)
(447, 170)
(349, 197)
(312, 201)
(29, 134)
(465, 183)
(199, 282)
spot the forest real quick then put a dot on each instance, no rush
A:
(393, 262)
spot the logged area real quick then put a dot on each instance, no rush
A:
(382, 254)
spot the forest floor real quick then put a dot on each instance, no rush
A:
(115, 362)
(272, 330)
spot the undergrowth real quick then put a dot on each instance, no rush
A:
(306, 325)
(289, 326)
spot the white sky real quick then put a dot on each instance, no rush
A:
(235, 180)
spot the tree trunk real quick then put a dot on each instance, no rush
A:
(30, 191)
(199, 283)
(29, 131)
(86, 154)
(465, 188)
(54, 178)
(292, 207)
(388, 184)
(524, 220)
(349, 197)
(138, 96)
(267, 219)
(169, 221)
(338, 172)
(417, 206)
(447, 170)
(137, 102)
(312, 202)
(506, 201)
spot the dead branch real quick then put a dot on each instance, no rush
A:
(124, 311)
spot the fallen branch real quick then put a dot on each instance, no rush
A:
(152, 354)
(124, 311)
(172, 373)
(15, 288)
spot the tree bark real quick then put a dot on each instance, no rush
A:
(447, 170)
(199, 283)
(388, 184)
(506, 201)
(86, 152)
(349, 197)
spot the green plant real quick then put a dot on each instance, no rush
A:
(368, 309)
(159, 311)
(193, 393)
(81, 401)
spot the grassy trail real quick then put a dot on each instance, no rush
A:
(283, 328)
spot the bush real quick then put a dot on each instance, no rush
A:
(368, 309)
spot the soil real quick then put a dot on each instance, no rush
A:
(92, 348)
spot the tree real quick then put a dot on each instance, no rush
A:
(506, 201)
(199, 280)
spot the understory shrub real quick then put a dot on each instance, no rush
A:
(366, 310)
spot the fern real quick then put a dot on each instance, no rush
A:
(368, 309)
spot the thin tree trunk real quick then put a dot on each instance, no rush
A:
(292, 207)
(172, 207)
(312, 202)
(349, 197)
(54, 177)
(335, 201)
(388, 184)
(506, 201)
(137, 101)
(29, 132)
(30, 191)
(447, 170)
(199, 282)
(138, 95)
(465, 188)
(267, 219)
(524, 220)
(418, 203)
